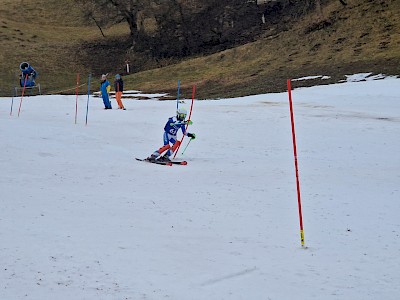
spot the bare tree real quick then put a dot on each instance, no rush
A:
(318, 9)
(113, 11)
(178, 27)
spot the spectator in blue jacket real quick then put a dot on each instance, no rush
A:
(105, 88)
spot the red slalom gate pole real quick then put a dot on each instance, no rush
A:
(190, 115)
(295, 162)
(76, 93)
(22, 95)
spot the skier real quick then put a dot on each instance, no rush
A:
(105, 88)
(119, 89)
(171, 142)
(28, 75)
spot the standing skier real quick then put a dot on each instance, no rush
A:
(119, 89)
(105, 88)
(171, 142)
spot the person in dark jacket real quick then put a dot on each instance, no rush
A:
(119, 89)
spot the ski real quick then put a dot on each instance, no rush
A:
(164, 163)
(176, 162)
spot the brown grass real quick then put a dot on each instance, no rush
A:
(364, 36)
(48, 38)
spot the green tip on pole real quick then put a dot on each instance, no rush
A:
(187, 146)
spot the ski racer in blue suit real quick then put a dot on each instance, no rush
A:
(171, 142)
(105, 89)
(28, 75)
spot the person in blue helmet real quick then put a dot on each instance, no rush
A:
(105, 89)
(28, 75)
(171, 142)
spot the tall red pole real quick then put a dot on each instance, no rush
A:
(295, 163)
(190, 115)
(76, 92)
(22, 95)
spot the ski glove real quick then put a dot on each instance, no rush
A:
(189, 122)
(191, 135)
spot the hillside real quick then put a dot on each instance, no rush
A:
(42, 33)
(363, 36)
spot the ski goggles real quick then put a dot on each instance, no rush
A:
(181, 116)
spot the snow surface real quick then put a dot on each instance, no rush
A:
(323, 77)
(81, 219)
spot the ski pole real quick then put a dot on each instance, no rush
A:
(187, 146)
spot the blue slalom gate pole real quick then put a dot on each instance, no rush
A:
(177, 97)
(77, 95)
(12, 102)
(88, 96)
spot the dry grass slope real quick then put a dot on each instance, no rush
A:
(364, 36)
(47, 34)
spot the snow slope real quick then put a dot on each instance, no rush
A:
(81, 219)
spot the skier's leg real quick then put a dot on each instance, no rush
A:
(175, 145)
(118, 96)
(166, 147)
(107, 102)
(163, 148)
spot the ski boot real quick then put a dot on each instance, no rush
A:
(153, 157)
(164, 158)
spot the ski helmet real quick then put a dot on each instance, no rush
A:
(181, 114)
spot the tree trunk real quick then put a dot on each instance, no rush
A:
(319, 9)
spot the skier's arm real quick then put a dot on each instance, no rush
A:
(176, 123)
(188, 134)
(180, 123)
